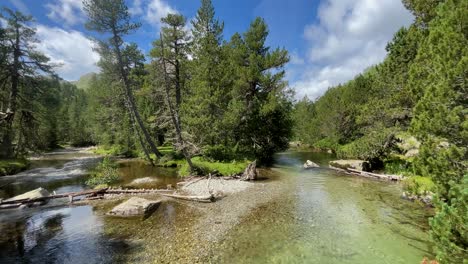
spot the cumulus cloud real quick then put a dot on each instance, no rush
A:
(350, 36)
(136, 8)
(68, 11)
(156, 10)
(71, 49)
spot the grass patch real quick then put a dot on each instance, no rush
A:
(204, 167)
(12, 166)
(114, 150)
(419, 185)
(105, 174)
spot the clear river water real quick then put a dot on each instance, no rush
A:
(293, 216)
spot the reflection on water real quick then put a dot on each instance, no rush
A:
(320, 216)
(55, 171)
(66, 235)
(331, 218)
(133, 169)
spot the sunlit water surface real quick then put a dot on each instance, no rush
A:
(322, 217)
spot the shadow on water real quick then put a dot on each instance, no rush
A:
(314, 216)
(65, 235)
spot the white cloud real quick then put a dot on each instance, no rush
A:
(350, 36)
(156, 10)
(70, 48)
(136, 8)
(69, 11)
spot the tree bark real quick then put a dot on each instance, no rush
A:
(7, 140)
(174, 112)
(130, 98)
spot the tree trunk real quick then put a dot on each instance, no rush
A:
(7, 140)
(131, 100)
(174, 112)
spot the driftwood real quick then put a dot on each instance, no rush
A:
(55, 196)
(201, 199)
(369, 174)
(99, 194)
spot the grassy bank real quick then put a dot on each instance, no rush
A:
(12, 166)
(204, 167)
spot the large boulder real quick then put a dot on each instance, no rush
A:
(310, 164)
(250, 173)
(37, 193)
(360, 165)
(135, 206)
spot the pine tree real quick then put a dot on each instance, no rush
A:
(22, 63)
(112, 17)
(208, 87)
(440, 122)
(260, 105)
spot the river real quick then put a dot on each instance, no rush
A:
(292, 216)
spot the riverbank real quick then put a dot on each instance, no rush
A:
(13, 166)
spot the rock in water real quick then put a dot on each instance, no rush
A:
(309, 164)
(250, 173)
(37, 193)
(143, 180)
(135, 206)
(360, 165)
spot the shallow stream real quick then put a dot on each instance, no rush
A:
(294, 216)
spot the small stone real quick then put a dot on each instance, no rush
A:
(310, 164)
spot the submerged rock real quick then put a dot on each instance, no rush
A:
(353, 164)
(37, 193)
(135, 206)
(143, 180)
(310, 164)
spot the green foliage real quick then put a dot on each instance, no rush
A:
(203, 167)
(220, 153)
(439, 77)
(12, 166)
(418, 185)
(105, 173)
(326, 144)
(375, 145)
(449, 229)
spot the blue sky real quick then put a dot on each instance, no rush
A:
(330, 41)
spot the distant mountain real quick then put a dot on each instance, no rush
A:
(84, 81)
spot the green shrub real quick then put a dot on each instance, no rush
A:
(220, 153)
(204, 167)
(105, 173)
(115, 150)
(12, 166)
(398, 166)
(418, 185)
(326, 144)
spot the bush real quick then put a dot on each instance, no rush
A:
(204, 167)
(326, 144)
(12, 166)
(220, 153)
(398, 166)
(105, 173)
(418, 185)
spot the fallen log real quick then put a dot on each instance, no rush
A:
(99, 194)
(368, 174)
(130, 191)
(55, 196)
(375, 175)
(200, 199)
